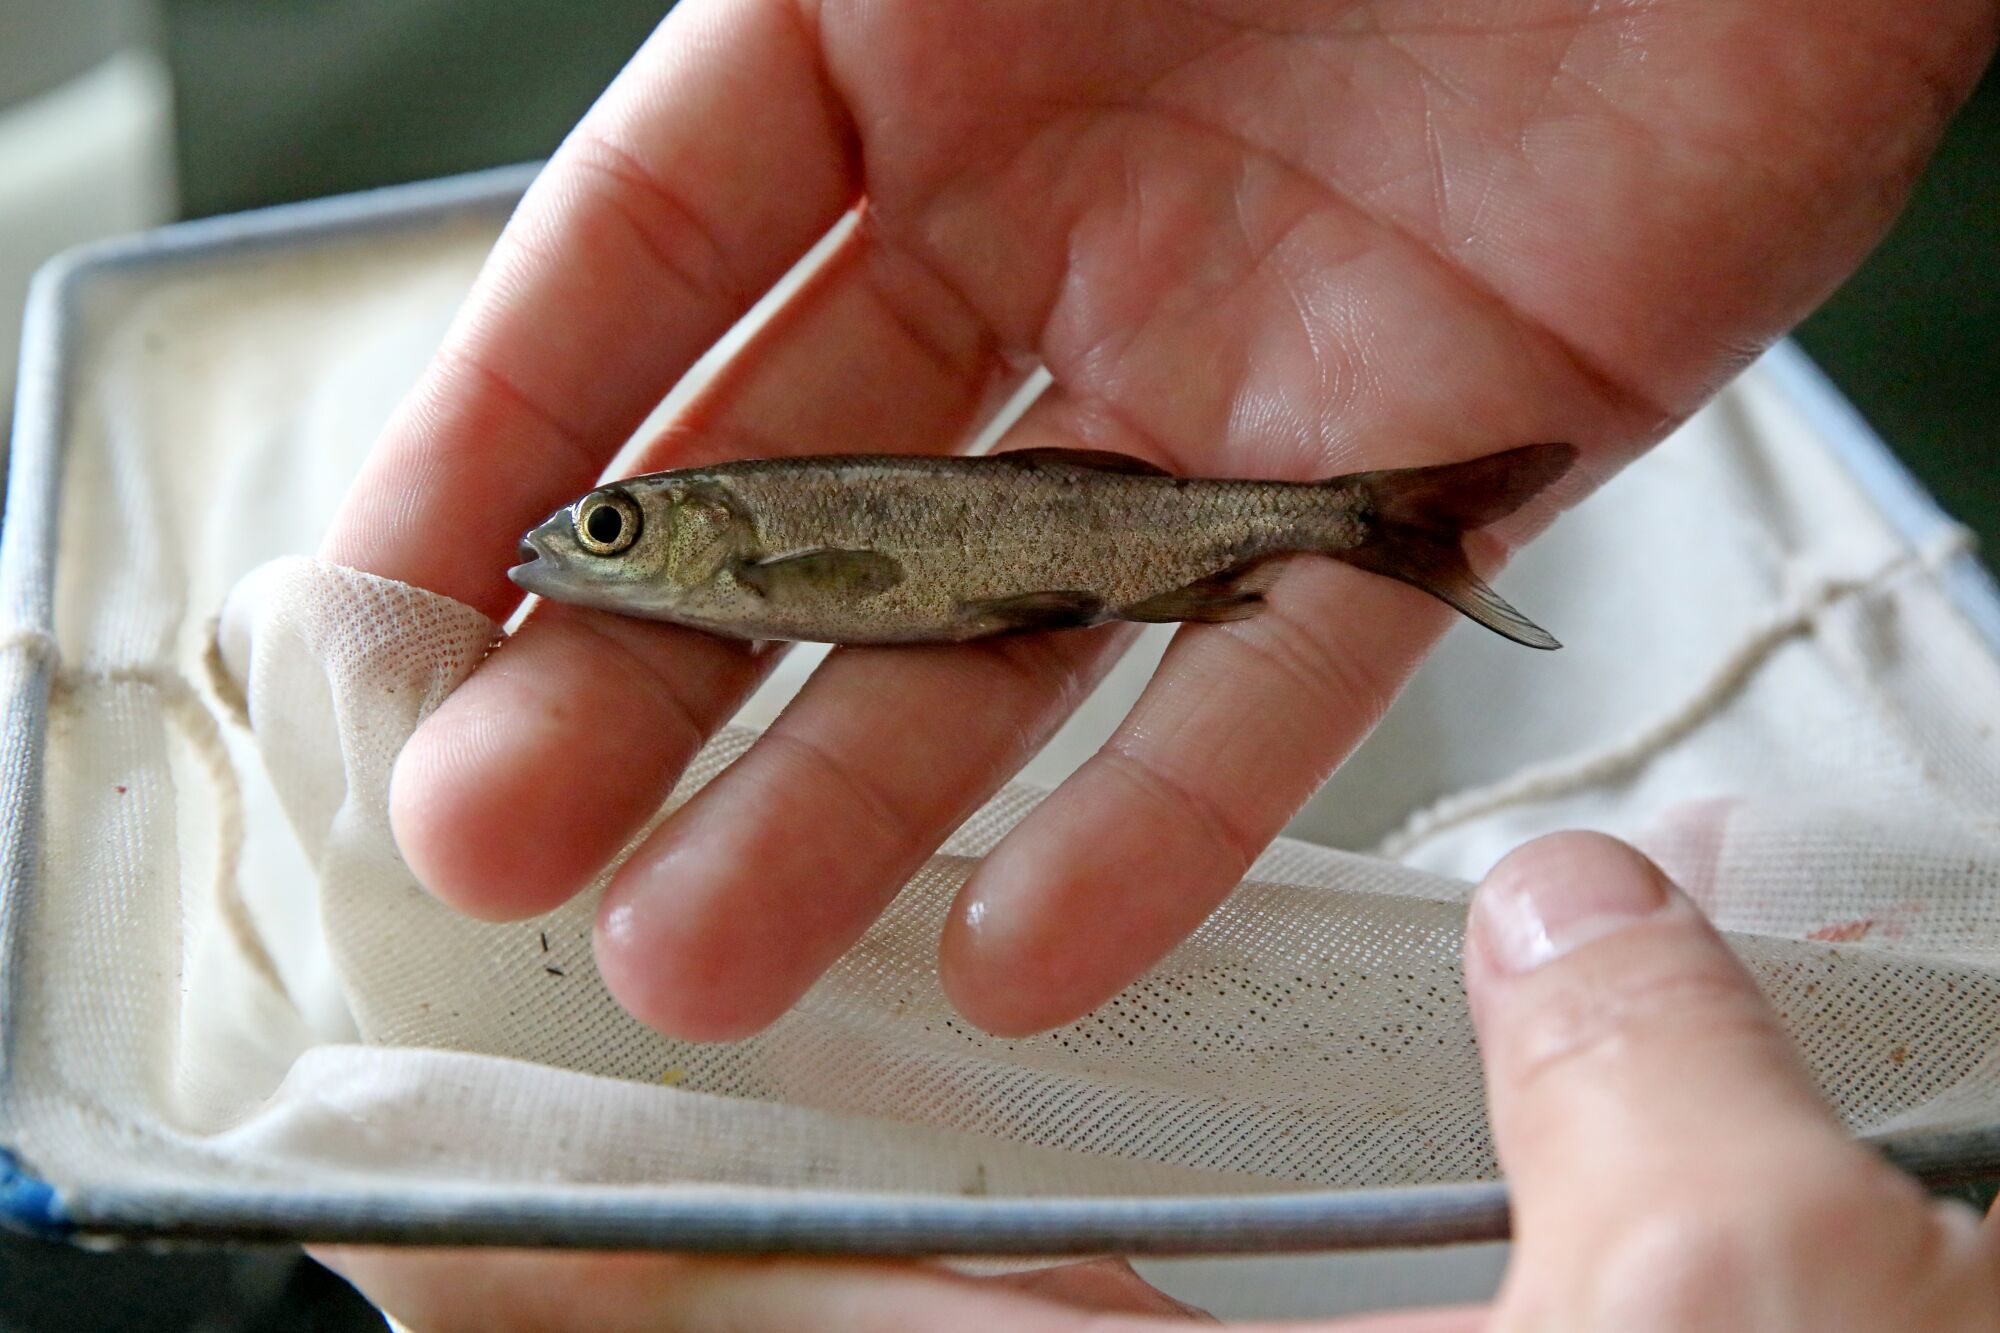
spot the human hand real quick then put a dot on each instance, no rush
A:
(1670, 1162)
(1247, 237)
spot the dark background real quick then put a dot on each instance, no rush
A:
(280, 100)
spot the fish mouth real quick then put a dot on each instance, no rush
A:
(529, 574)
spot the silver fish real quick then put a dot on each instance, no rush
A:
(894, 549)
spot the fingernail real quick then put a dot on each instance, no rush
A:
(1546, 901)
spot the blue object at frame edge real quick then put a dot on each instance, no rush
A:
(28, 1203)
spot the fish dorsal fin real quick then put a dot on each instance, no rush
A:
(1091, 460)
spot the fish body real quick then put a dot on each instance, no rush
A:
(900, 549)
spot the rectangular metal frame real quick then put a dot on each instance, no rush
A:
(639, 1218)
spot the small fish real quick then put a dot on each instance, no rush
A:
(865, 549)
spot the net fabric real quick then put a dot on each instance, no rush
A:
(228, 974)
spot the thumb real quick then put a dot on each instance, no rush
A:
(1637, 1079)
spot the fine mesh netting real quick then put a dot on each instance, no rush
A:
(227, 974)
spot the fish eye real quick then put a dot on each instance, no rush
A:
(607, 522)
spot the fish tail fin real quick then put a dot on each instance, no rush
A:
(1419, 517)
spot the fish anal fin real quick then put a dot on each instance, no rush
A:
(1090, 460)
(1228, 594)
(822, 570)
(1031, 611)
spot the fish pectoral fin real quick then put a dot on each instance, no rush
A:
(1227, 594)
(823, 570)
(1091, 460)
(1031, 611)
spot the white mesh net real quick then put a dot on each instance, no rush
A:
(228, 974)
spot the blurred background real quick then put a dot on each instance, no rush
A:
(122, 114)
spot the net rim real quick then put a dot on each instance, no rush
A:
(743, 1220)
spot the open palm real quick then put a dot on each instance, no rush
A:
(1279, 238)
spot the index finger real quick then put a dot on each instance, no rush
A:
(713, 162)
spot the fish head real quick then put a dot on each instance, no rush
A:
(629, 547)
